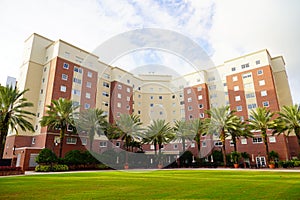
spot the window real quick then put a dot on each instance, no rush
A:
(77, 69)
(77, 80)
(107, 76)
(71, 140)
(237, 98)
(66, 54)
(256, 140)
(90, 74)
(88, 95)
(119, 87)
(66, 66)
(151, 104)
(211, 79)
(128, 98)
(105, 84)
(83, 141)
(105, 94)
(161, 113)
(33, 141)
(119, 96)
(75, 103)
(212, 87)
(128, 89)
(261, 82)
(118, 144)
(87, 106)
(245, 66)
(173, 96)
(175, 146)
(189, 91)
(201, 115)
(257, 62)
(200, 97)
(234, 78)
(199, 88)
(244, 141)
(233, 69)
(160, 97)
(248, 75)
(260, 72)
(151, 89)
(263, 93)
(224, 84)
(103, 144)
(272, 139)
(252, 106)
(239, 108)
(200, 106)
(63, 88)
(191, 117)
(231, 143)
(151, 97)
(203, 143)
(173, 104)
(213, 96)
(226, 93)
(218, 144)
(190, 108)
(119, 105)
(105, 103)
(88, 84)
(248, 85)
(64, 77)
(265, 104)
(189, 99)
(159, 89)
(76, 92)
(250, 95)
(181, 102)
(139, 112)
(128, 81)
(236, 88)
(78, 59)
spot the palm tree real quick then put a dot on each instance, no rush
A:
(289, 120)
(60, 115)
(13, 113)
(241, 130)
(92, 121)
(183, 132)
(159, 132)
(261, 120)
(197, 127)
(221, 121)
(130, 129)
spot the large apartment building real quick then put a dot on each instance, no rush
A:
(54, 69)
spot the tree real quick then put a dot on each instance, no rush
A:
(261, 120)
(221, 121)
(13, 113)
(130, 129)
(240, 130)
(92, 122)
(159, 132)
(60, 115)
(183, 132)
(289, 120)
(197, 128)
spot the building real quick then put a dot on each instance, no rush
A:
(54, 69)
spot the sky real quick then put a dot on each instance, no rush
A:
(225, 29)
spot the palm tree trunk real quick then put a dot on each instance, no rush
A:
(199, 147)
(267, 146)
(61, 147)
(222, 136)
(297, 132)
(91, 144)
(183, 144)
(234, 144)
(2, 143)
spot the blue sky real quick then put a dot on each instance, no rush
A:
(224, 29)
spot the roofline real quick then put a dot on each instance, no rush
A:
(35, 34)
(249, 54)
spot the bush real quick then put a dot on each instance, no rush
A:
(74, 157)
(54, 168)
(287, 164)
(46, 156)
(43, 168)
(59, 168)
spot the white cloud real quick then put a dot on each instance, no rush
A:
(225, 29)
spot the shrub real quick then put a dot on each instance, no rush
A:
(46, 156)
(74, 157)
(297, 163)
(102, 166)
(287, 164)
(58, 168)
(43, 168)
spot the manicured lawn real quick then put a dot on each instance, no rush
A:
(163, 184)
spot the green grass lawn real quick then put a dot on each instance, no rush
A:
(162, 184)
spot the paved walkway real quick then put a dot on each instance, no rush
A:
(296, 170)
